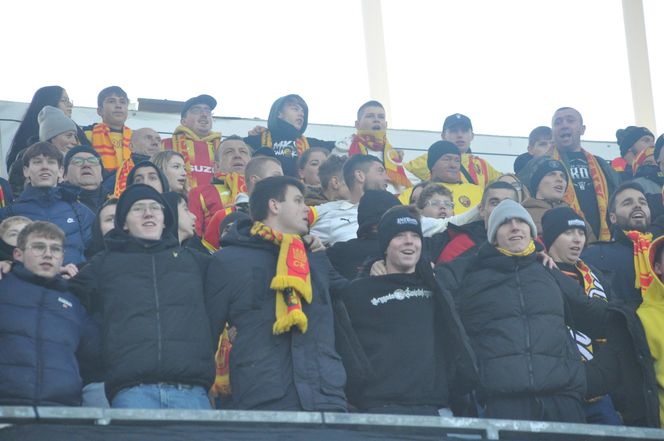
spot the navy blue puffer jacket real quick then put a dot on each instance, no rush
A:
(60, 207)
(42, 328)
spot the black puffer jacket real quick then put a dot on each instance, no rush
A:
(514, 311)
(291, 371)
(151, 299)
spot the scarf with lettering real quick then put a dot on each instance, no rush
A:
(111, 158)
(641, 243)
(292, 280)
(301, 143)
(183, 142)
(530, 249)
(601, 190)
(376, 140)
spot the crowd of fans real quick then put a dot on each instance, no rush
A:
(277, 271)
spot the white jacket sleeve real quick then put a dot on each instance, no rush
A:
(431, 226)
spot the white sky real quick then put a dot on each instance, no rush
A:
(507, 64)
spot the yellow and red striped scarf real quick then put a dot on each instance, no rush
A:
(111, 158)
(234, 182)
(601, 190)
(222, 383)
(301, 143)
(292, 280)
(376, 140)
(3, 203)
(641, 243)
(641, 158)
(121, 176)
(183, 143)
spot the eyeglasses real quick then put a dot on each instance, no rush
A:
(39, 249)
(200, 111)
(437, 203)
(78, 162)
(141, 209)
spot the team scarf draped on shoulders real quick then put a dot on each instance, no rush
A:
(292, 280)
(530, 249)
(376, 140)
(641, 158)
(591, 286)
(183, 142)
(477, 165)
(641, 243)
(601, 190)
(301, 143)
(111, 158)
(235, 183)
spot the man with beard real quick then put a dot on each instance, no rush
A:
(622, 257)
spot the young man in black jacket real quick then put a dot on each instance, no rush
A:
(407, 327)
(277, 293)
(564, 235)
(516, 313)
(148, 291)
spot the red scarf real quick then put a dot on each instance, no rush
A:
(376, 140)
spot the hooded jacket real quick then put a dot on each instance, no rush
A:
(516, 313)
(284, 136)
(154, 323)
(43, 327)
(60, 207)
(290, 371)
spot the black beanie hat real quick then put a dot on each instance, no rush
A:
(162, 178)
(137, 192)
(546, 166)
(373, 205)
(521, 161)
(393, 222)
(628, 136)
(79, 149)
(558, 220)
(438, 149)
(658, 146)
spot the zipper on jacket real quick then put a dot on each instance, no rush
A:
(531, 375)
(38, 333)
(156, 302)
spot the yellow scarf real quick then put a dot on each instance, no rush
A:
(222, 383)
(530, 249)
(641, 243)
(111, 158)
(376, 140)
(121, 176)
(183, 142)
(601, 190)
(292, 280)
(641, 158)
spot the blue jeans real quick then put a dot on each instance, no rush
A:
(162, 396)
(602, 412)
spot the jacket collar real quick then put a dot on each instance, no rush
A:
(57, 283)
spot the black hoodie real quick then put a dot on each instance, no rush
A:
(284, 136)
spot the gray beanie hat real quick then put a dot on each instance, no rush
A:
(506, 210)
(52, 122)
